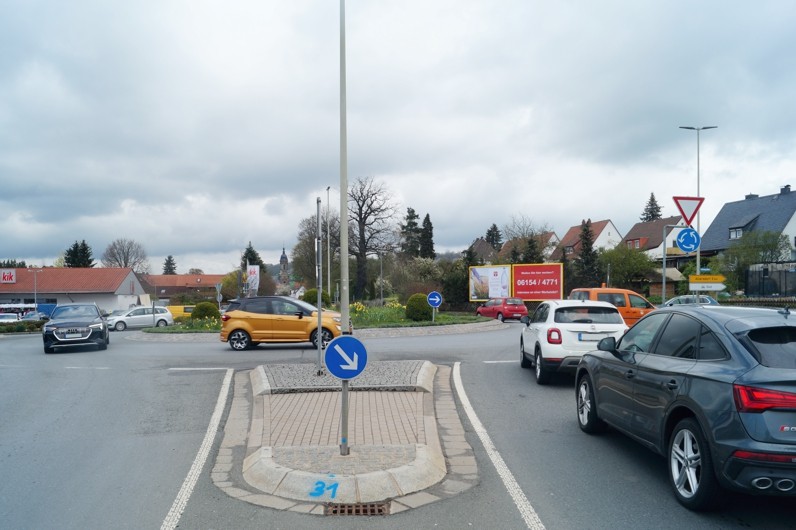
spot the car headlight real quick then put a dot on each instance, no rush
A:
(99, 326)
(337, 319)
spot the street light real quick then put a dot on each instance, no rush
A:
(35, 288)
(328, 246)
(697, 129)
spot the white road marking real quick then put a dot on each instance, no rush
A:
(497, 362)
(173, 518)
(527, 512)
(199, 369)
(87, 367)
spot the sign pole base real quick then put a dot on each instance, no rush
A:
(344, 450)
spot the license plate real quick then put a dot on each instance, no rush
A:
(591, 337)
(73, 335)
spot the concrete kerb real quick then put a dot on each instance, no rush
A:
(443, 467)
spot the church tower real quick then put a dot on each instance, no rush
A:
(283, 275)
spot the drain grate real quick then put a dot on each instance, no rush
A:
(373, 508)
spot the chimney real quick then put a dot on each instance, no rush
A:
(784, 190)
(751, 196)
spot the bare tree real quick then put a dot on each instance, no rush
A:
(372, 213)
(126, 253)
(522, 227)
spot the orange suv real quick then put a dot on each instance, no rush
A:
(250, 321)
(631, 305)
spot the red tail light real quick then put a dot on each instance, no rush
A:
(224, 318)
(765, 457)
(554, 336)
(752, 399)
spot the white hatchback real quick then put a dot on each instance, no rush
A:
(559, 332)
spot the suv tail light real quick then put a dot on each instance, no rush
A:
(554, 336)
(752, 399)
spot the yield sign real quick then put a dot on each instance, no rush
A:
(688, 206)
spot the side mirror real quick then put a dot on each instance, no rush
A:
(607, 344)
(526, 320)
(299, 314)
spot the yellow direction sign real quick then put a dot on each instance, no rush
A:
(706, 278)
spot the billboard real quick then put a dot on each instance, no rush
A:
(8, 276)
(490, 282)
(538, 281)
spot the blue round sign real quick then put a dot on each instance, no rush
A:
(345, 357)
(688, 240)
(434, 299)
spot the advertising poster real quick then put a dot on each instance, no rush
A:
(536, 282)
(490, 282)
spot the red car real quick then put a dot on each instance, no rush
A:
(503, 308)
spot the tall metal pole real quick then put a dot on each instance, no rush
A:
(319, 274)
(344, 310)
(328, 247)
(697, 129)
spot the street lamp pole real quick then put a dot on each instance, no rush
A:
(328, 247)
(697, 129)
(35, 288)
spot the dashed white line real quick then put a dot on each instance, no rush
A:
(173, 517)
(527, 512)
(497, 362)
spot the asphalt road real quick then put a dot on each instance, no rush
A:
(94, 439)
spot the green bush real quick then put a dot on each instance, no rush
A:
(417, 308)
(205, 310)
(311, 297)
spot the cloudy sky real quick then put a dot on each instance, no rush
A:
(196, 126)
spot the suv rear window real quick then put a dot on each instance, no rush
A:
(513, 301)
(588, 315)
(776, 346)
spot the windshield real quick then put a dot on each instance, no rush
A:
(75, 311)
(776, 346)
(589, 315)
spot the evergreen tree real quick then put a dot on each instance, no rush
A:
(410, 234)
(493, 237)
(427, 239)
(169, 266)
(588, 268)
(652, 211)
(514, 256)
(566, 271)
(79, 255)
(532, 253)
(469, 258)
(251, 257)
(13, 264)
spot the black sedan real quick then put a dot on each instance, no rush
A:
(75, 325)
(711, 388)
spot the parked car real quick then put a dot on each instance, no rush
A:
(262, 319)
(140, 317)
(692, 299)
(711, 388)
(8, 317)
(75, 325)
(560, 331)
(180, 310)
(35, 315)
(503, 309)
(631, 305)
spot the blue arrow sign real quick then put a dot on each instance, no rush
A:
(345, 357)
(688, 240)
(434, 299)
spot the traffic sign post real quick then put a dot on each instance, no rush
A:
(706, 282)
(434, 299)
(345, 358)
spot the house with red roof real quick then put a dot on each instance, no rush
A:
(168, 285)
(109, 288)
(604, 234)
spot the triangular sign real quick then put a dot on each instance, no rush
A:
(688, 206)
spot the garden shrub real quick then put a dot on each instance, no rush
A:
(417, 308)
(205, 310)
(311, 297)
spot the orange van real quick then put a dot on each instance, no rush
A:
(631, 305)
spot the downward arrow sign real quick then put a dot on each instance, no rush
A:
(352, 363)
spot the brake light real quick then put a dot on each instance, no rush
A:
(224, 317)
(752, 399)
(765, 457)
(554, 336)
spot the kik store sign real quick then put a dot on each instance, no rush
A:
(8, 276)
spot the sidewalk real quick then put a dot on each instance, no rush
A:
(281, 444)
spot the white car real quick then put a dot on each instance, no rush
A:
(140, 317)
(5, 318)
(559, 332)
